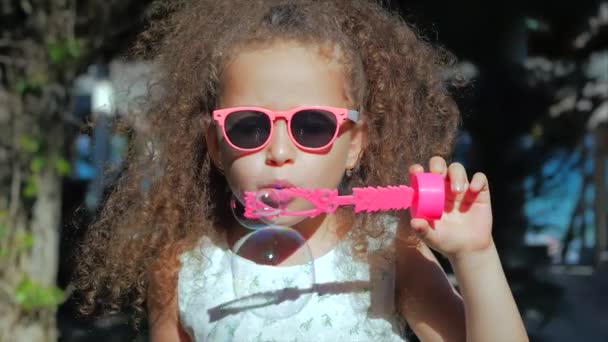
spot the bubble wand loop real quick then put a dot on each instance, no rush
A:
(425, 198)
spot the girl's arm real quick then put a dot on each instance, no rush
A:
(464, 236)
(490, 309)
(163, 321)
(426, 299)
(436, 312)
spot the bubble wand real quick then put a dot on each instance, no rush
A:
(425, 197)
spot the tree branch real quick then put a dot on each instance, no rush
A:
(8, 43)
(6, 291)
(12, 61)
(15, 190)
(5, 146)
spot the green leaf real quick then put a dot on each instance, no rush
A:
(3, 234)
(26, 240)
(74, 47)
(31, 187)
(31, 296)
(21, 85)
(23, 291)
(64, 50)
(37, 164)
(30, 83)
(62, 167)
(57, 52)
(29, 144)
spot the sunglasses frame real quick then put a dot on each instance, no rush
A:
(341, 116)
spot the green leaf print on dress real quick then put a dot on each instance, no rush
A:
(306, 325)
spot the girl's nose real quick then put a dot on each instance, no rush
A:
(280, 149)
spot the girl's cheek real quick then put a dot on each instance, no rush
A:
(243, 172)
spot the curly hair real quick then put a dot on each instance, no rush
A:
(170, 194)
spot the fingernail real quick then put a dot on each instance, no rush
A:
(457, 187)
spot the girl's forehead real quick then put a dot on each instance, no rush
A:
(283, 74)
(328, 53)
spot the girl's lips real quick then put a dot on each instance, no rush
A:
(276, 184)
(275, 199)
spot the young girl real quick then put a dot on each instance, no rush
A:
(255, 95)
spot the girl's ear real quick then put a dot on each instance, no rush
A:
(357, 144)
(211, 139)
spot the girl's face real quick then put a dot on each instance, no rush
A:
(280, 77)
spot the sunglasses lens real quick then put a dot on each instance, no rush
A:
(313, 128)
(247, 129)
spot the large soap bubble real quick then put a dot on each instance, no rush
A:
(273, 272)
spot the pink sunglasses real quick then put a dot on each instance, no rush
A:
(311, 128)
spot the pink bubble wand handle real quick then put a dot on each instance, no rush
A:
(425, 198)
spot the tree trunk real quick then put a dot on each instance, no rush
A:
(601, 193)
(30, 222)
(39, 57)
(31, 148)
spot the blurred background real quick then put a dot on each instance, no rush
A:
(534, 119)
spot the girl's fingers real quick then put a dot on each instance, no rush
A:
(478, 192)
(416, 168)
(457, 176)
(438, 165)
(420, 226)
(425, 232)
(479, 182)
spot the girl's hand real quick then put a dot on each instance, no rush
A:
(466, 224)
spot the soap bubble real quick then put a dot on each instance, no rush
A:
(269, 204)
(286, 208)
(273, 272)
(238, 211)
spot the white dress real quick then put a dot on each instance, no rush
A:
(340, 302)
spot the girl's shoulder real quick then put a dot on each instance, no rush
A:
(204, 252)
(200, 267)
(208, 256)
(380, 235)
